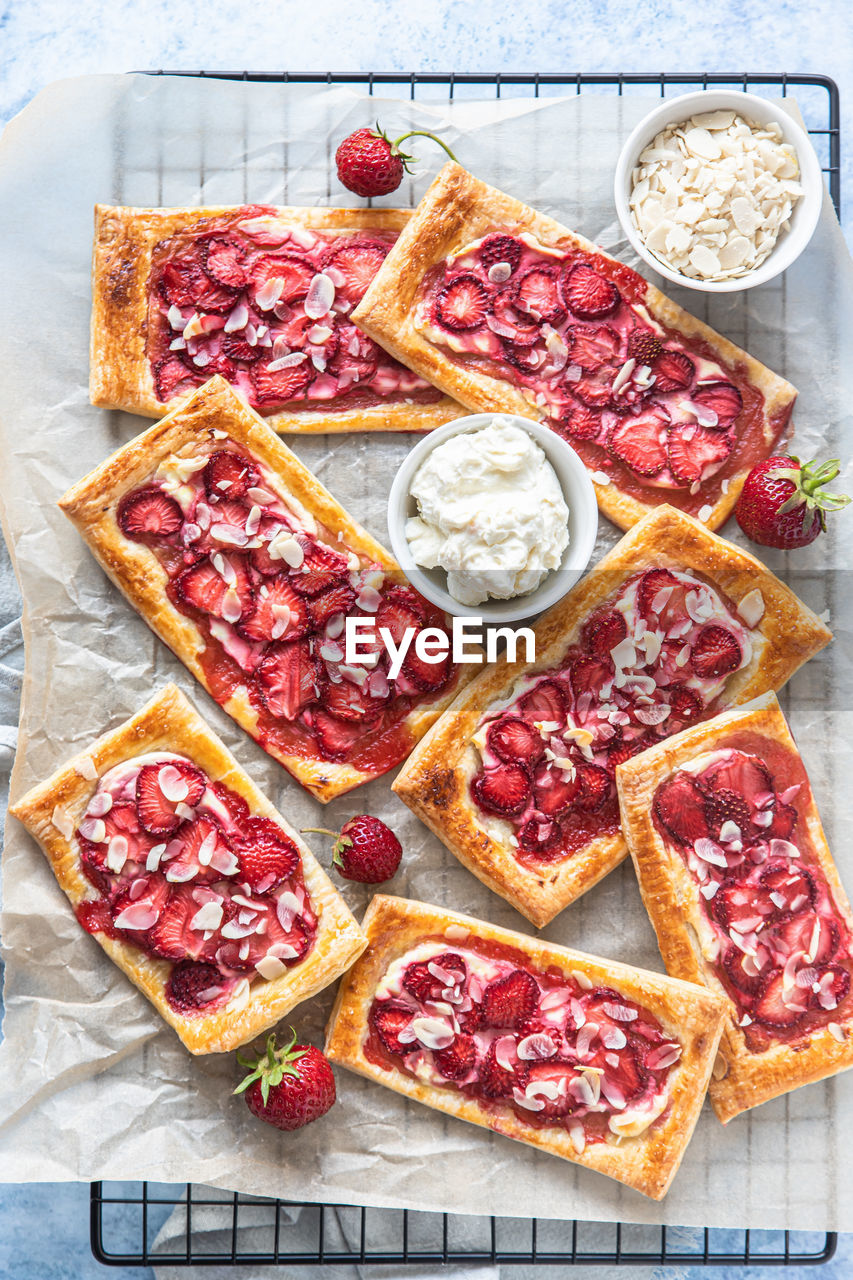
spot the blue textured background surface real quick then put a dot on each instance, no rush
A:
(44, 1228)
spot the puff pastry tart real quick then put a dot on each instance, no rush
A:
(247, 567)
(189, 879)
(505, 309)
(744, 897)
(591, 1060)
(262, 296)
(673, 625)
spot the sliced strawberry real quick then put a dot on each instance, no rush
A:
(287, 679)
(237, 348)
(541, 836)
(545, 703)
(203, 836)
(236, 806)
(733, 964)
(122, 820)
(673, 371)
(278, 613)
(504, 789)
(193, 987)
(685, 705)
(269, 566)
(336, 737)
(771, 1008)
(721, 398)
(205, 589)
(558, 1072)
(784, 821)
(588, 294)
(745, 908)
(389, 1020)
(358, 261)
(185, 283)
(715, 652)
(637, 443)
(399, 612)
(588, 674)
(695, 453)
(795, 885)
(170, 374)
(220, 364)
(510, 1000)
(538, 294)
(278, 386)
(622, 751)
(500, 248)
(295, 273)
(223, 260)
(833, 991)
(266, 854)
(149, 514)
(424, 985)
(496, 1081)
(349, 702)
(338, 599)
(724, 805)
(229, 475)
(552, 793)
(525, 330)
(679, 806)
(512, 739)
(527, 359)
(171, 937)
(426, 676)
(806, 930)
(643, 346)
(321, 568)
(356, 358)
(462, 304)
(630, 1076)
(458, 1059)
(595, 390)
(157, 810)
(651, 584)
(593, 346)
(594, 787)
(579, 421)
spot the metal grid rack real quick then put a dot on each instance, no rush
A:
(222, 1228)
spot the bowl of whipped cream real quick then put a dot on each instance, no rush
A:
(493, 516)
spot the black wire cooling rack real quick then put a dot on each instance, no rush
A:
(220, 1228)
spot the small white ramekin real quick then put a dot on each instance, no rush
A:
(583, 523)
(806, 212)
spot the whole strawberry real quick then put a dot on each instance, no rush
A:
(782, 503)
(288, 1087)
(366, 850)
(370, 164)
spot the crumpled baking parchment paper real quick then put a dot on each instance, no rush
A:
(92, 1084)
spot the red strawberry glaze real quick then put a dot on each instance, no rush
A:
(208, 311)
(603, 704)
(250, 572)
(570, 1055)
(185, 896)
(603, 379)
(787, 968)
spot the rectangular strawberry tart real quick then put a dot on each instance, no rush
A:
(507, 310)
(190, 880)
(745, 898)
(671, 626)
(262, 296)
(597, 1062)
(239, 559)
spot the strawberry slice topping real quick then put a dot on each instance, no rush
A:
(399, 612)
(237, 348)
(295, 274)
(524, 329)
(588, 294)
(496, 1081)
(784, 821)
(349, 702)
(205, 589)
(580, 421)
(553, 792)
(426, 676)
(593, 346)
(287, 678)
(588, 674)
(724, 806)
(834, 985)
(356, 358)
(776, 1006)
(644, 346)
(202, 851)
(686, 706)
(742, 907)
(538, 294)
(810, 935)
(510, 1000)
(161, 788)
(266, 854)
(500, 248)
(185, 283)
(637, 442)
(322, 568)
(793, 887)
(148, 513)
(422, 982)
(503, 790)
(462, 304)
(544, 704)
(594, 787)
(170, 375)
(746, 775)
(458, 1059)
(554, 1074)
(649, 594)
(389, 1020)
(278, 386)
(223, 261)
(721, 398)
(358, 263)
(512, 740)
(735, 965)
(695, 453)
(229, 475)
(715, 652)
(193, 987)
(541, 837)
(673, 371)
(336, 737)
(278, 613)
(679, 806)
(338, 599)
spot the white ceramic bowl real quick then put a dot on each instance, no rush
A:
(583, 523)
(805, 214)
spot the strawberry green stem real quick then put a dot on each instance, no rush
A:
(270, 1066)
(421, 133)
(808, 480)
(320, 831)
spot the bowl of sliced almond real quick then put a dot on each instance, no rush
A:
(718, 190)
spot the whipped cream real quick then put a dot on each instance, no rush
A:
(491, 514)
